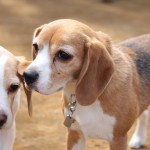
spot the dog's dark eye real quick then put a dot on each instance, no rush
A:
(63, 56)
(13, 88)
(36, 48)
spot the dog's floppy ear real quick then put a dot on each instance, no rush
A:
(95, 74)
(21, 67)
(35, 34)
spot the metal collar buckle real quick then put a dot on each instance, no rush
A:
(71, 108)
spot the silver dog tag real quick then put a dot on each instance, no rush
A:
(68, 121)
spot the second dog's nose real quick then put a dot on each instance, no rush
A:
(3, 119)
(30, 77)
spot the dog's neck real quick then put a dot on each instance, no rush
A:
(70, 89)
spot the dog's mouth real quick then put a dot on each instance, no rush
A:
(30, 87)
(38, 89)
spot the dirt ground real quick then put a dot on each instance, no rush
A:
(18, 19)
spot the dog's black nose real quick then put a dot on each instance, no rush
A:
(30, 77)
(3, 119)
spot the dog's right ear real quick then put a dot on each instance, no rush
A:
(21, 67)
(35, 34)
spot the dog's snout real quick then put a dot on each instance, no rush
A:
(30, 77)
(3, 119)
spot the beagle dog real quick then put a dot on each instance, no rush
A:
(105, 87)
(10, 80)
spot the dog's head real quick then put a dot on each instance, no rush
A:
(9, 88)
(67, 50)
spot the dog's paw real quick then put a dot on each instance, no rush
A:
(137, 142)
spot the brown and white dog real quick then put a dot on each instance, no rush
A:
(10, 97)
(105, 87)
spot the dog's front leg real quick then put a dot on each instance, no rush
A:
(119, 143)
(75, 140)
(139, 137)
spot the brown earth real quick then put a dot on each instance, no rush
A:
(18, 19)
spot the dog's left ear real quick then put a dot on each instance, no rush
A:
(95, 74)
(21, 67)
(36, 33)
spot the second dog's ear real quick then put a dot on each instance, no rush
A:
(21, 67)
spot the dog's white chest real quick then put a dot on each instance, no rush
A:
(93, 122)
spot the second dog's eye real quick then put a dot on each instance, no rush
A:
(36, 48)
(63, 56)
(13, 88)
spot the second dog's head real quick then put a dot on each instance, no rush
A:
(66, 50)
(10, 81)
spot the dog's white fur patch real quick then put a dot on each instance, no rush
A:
(42, 65)
(93, 122)
(7, 138)
(80, 145)
(139, 137)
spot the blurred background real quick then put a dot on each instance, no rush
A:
(121, 19)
